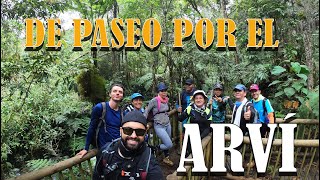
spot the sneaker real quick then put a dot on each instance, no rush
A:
(251, 164)
(167, 161)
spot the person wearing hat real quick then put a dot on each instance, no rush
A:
(264, 108)
(243, 110)
(185, 98)
(136, 104)
(186, 94)
(159, 107)
(129, 157)
(219, 104)
(198, 112)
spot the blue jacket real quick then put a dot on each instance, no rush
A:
(107, 132)
(185, 99)
(219, 109)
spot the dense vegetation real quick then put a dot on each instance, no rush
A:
(46, 97)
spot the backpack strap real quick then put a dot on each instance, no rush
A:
(245, 106)
(101, 120)
(144, 162)
(107, 152)
(209, 118)
(264, 105)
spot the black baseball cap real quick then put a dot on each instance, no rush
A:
(189, 81)
(134, 116)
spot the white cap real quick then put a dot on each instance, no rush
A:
(199, 92)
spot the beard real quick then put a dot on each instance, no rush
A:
(132, 144)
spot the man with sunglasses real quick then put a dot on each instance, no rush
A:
(129, 157)
(185, 97)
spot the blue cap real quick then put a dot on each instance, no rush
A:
(240, 87)
(162, 86)
(136, 95)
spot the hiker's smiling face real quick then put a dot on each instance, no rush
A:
(132, 134)
(239, 94)
(217, 92)
(116, 93)
(137, 103)
(163, 93)
(199, 100)
(255, 93)
(188, 87)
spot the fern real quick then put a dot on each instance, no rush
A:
(33, 165)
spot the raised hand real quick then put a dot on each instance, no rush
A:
(247, 114)
(219, 99)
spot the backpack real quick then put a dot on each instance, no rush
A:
(110, 149)
(256, 114)
(126, 108)
(265, 111)
(150, 117)
(94, 141)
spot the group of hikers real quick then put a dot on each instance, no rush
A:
(121, 134)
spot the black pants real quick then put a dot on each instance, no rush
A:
(264, 129)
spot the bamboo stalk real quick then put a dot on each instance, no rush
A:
(311, 161)
(81, 172)
(71, 173)
(277, 162)
(249, 167)
(90, 167)
(61, 175)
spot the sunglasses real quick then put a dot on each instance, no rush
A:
(128, 131)
(188, 84)
(164, 90)
(237, 90)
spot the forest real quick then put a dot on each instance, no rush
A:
(47, 96)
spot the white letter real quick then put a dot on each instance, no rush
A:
(260, 157)
(219, 148)
(287, 148)
(192, 131)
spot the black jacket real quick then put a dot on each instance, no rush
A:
(202, 118)
(112, 166)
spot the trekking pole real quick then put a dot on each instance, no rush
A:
(180, 124)
(211, 100)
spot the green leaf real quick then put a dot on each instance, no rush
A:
(279, 94)
(297, 85)
(274, 82)
(304, 70)
(303, 76)
(289, 91)
(296, 67)
(305, 91)
(301, 99)
(277, 70)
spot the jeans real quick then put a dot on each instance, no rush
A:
(164, 133)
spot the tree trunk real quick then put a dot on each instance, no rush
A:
(306, 27)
